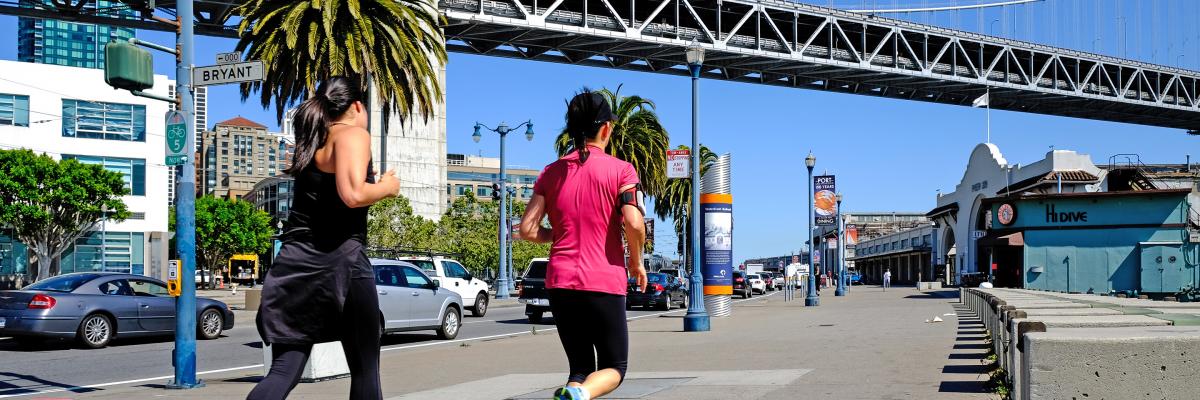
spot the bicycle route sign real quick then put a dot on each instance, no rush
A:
(177, 148)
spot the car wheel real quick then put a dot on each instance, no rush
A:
(481, 305)
(536, 318)
(666, 304)
(95, 332)
(451, 321)
(211, 322)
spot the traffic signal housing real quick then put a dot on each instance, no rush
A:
(127, 66)
(495, 192)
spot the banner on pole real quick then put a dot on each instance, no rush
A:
(825, 200)
(851, 234)
(717, 257)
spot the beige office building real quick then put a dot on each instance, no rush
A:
(239, 153)
(474, 174)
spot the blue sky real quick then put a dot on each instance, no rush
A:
(887, 154)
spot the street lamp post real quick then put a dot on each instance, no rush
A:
(696, 319)
(502, 284)
(841, 253)
(812, 299)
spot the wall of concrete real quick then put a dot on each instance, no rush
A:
(416, 149)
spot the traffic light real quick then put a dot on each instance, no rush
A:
(495, 192)
(127, 66)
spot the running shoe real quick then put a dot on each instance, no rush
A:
(569, 393)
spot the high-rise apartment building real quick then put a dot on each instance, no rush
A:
(237, 154)
(73, 44)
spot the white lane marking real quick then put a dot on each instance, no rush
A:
(100, 385)
(402, 347)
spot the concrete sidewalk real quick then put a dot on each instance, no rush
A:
(868, 345)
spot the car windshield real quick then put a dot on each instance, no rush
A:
(63, 283)
(537, 270)
(654, 277)
(754, 276)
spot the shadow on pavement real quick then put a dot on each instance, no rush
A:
(405, 338)
(971, 366)
(7, 388)
(546, 321)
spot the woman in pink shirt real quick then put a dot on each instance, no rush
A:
(591, 198)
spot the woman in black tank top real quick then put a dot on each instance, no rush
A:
(321, 287)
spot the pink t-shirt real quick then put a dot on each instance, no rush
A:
(581, 201)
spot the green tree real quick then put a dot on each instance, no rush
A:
(48, 204)
(395, 43)
(228, 227)
(638, 138)
(392, 224)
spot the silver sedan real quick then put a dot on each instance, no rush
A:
(97, 307)
(410, 301)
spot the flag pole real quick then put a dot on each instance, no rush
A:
(988, 104)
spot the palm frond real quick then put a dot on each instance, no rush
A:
(396, 42)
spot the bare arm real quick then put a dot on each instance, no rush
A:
(531, 223)
(635, 237)
(351, 153)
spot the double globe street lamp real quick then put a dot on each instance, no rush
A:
(503, 289)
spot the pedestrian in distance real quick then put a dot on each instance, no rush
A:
(887, 279)
(321, 287)
(591, 198)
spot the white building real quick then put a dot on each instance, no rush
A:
(69, 112)
(417, 151)
(989, 174)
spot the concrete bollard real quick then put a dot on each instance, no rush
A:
(1110, 363)
(253, 298)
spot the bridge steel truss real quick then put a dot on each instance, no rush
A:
(781, 43)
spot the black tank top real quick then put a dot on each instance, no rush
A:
(319, 215)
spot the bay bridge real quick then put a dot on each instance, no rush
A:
(778, 43)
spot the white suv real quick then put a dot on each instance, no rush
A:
(451, 275)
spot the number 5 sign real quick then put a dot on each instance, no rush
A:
(177, 143)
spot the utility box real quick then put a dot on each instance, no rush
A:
(127, 66)
(1162, 267)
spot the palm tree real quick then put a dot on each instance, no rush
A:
(638, 138)
(396, 43)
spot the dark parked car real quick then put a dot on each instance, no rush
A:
(741, 285)
(532, 291)
(662, 292)
(97, 307)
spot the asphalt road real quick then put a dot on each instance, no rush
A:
(54, 367)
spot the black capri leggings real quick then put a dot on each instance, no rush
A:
(593, 331)
(360, 342)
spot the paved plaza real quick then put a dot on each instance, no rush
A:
(868, 345)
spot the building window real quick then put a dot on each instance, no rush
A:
(106, 251)
(462, 190)
(527, 193)
(483, 191)
(13, 255)
(14, 110)
(109, 121)
(132, 170)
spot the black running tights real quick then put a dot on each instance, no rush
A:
(593, 331)
(360, 342)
